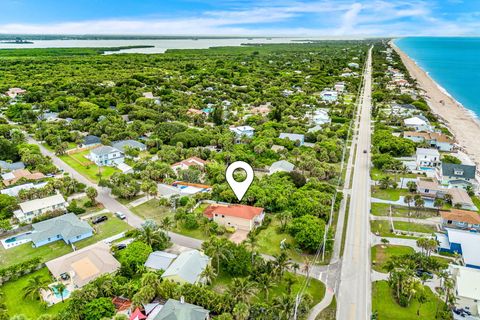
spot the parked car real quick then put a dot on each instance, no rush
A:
(120, 215)
(99, 219)
(421, 272)
(121, 246)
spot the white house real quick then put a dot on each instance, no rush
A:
(293, 137)
(339, 86)
(190, 162)
(467, 287)
(353, 65)
(34, 208)
(241, 132)
(329, 95)
(321, 117)
(434, 139)
(106, 156)
(427, 158)
(418, 123)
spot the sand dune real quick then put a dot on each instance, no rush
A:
(459, 120)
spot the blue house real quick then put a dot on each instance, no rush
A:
(293, 137)
(462, 242)
(67, 227)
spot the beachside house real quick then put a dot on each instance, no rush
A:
(329, 95)
(67, 227)
(160, 260)
(235, 215)
(281, 166)
(122, 145)
(418, 123)
(242, 132)
(456, 175)
(461, 199)
(106, 156)
(462, 242)
(34, 208)
(178, 310)
(460, 219)
(434, 139)
(6, 166)
(427, 159)
(187, 267)
(14, 176)
(91, 141)
(402, 110)
(467, 288)
(297, 138)
(84, 265)
(192, 162)
(430, 189)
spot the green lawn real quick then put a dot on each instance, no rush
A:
(382, 253)
(380, 209)
(81, 203)
(15, 303)
(382, 228)
(388, 194)
(413, 227)
(85, 167)
(56, 249)
(330, 312)
(377, 174)
(127, 201)
(269, 242)
(387, 308)
(315, 287)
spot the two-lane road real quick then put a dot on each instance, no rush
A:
(354, 298)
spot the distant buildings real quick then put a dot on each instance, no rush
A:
(14, 92)
(187, 267)
(434, 139)
(339, 86)
(235, 215)
(320, 117)
(122, 145)
(353, 65)
(11, 166)
(460, 219)
(14, 191)
(67, 227)
(106, 156)
(34, 208)
(329, 95)
(293, 137)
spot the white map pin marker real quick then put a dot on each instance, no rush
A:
(239, 188)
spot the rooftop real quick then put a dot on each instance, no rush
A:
(453, 170)
(159, 260)
(43, 203)
(465, 216)
(68, 226)
(427, 152)
(188, 266)
(234, 210)
(467, 281)
(103, 150)
(177, 310)
(120, 145)
(282, 165)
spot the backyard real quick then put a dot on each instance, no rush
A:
(386, 307)
(16, 304)
(59, 248)
(382, 253)
(388, 194)
(86, 167)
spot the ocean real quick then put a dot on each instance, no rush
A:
(454, 63)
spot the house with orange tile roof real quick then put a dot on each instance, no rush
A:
(434, 139)
(13, 176)
(235, 215)
(460, 219)
(190, 162)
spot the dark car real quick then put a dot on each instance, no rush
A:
(364, 151)
(426, 273)
(121, 246)
(99, 219)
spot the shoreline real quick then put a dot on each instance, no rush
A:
(461, 122)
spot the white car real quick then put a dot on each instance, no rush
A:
(120, 215)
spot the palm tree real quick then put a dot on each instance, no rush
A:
(153, 236)
(281, 263)
(284, 217)
(408, 199)
(61, 288)
(167, 223)
(385, 182)
(419, 204)
(438, 203)
(208, 274)
(34, 285)
(265, 283)
(241, 289)
(284, 305)
(251, 241)
(448, 198)
(92, 193)
(217, 250)
(241, 311)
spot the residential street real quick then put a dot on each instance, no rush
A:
(110, 202)
(354, 297)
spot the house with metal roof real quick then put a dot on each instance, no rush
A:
(14, 191)
(123, 144)
(90, 141)
(462, 242)
(67, 227)
(293, 137)
(454, 175)
(418, 123)
(10, 166)
(106, 156)
(242, 132)
(282, 165)
(160, 260)
(467, 288)
(187, 268)
(34, 208)
(179, 310)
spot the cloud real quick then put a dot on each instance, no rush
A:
(277, 17)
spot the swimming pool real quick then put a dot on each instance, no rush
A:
(16, 240)
(66, 293)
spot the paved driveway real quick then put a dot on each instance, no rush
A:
(239, 236)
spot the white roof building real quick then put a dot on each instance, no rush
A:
(463, 242)
(467, 287)
(33, 208)
(281, 165)
(14, 191)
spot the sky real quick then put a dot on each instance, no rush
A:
(242, 17)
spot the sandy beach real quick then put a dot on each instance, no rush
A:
(458, 119)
